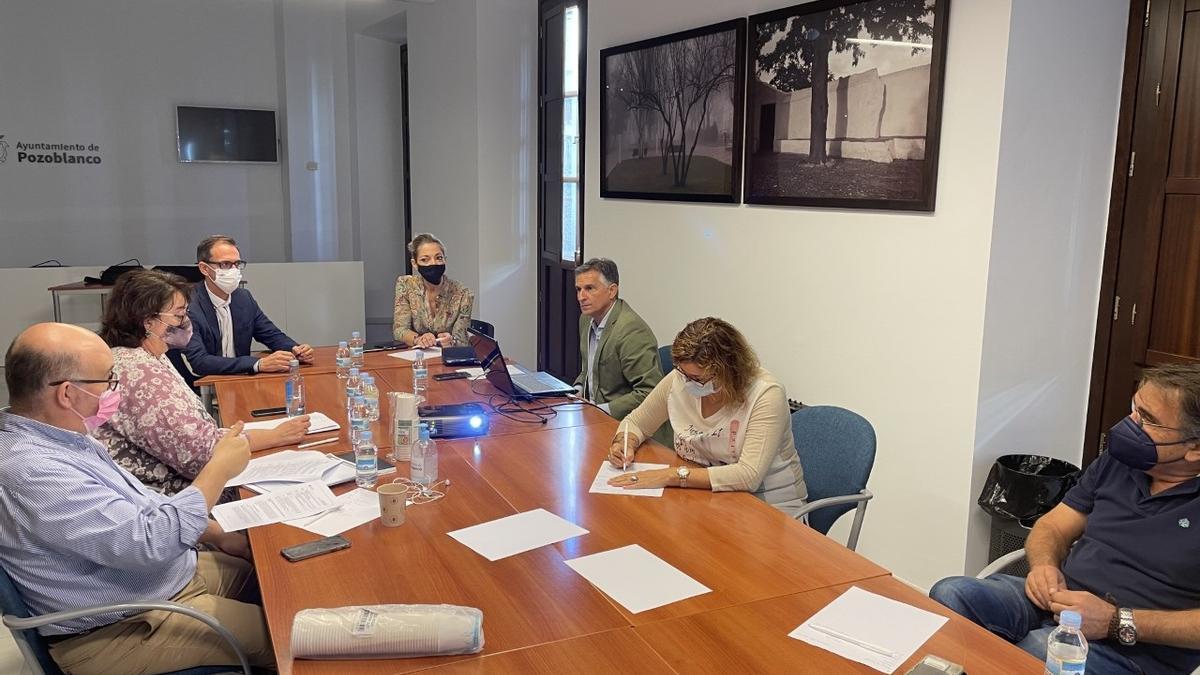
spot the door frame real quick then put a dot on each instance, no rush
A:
(1140, 15)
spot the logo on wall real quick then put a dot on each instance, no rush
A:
(51, 153)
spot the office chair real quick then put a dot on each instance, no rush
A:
(1001, 563)
(837, 451)
(664, 359)
(483, 327)
(36, 652)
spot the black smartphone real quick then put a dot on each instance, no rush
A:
(268, 412)
(315, 548)
(450, 376)
(384, 347)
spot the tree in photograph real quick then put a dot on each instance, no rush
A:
(803, 44)
(677, 82)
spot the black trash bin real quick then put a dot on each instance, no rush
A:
(1019, 490)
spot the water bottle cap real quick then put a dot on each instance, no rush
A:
(353, 333)
(342, 343)
(358, 398)
(366, 436)
(294, 363)
(1070, 618)
(424, 431)
(354, 371)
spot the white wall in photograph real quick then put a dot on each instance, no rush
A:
(888, 313)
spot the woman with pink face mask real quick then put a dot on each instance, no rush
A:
(161, 432)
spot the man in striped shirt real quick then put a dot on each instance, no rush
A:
(76, 530)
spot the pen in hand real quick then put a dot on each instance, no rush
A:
(625, 451)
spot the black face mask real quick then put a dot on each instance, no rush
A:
(432, 273)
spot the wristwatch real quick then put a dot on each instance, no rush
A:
(683, 472)
(1121, 628)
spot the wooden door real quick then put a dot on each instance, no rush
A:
(560, 183)
(1154, 313)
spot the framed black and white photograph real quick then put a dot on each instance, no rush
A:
(844, 104)
(671, 116)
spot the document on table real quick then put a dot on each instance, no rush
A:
(476, 373)
(338, 472)
(297, 466)
(636, 578)
(515, 534)
(411, 354)
(350, 510)
(317, 423)
(607, 470)
(302, 500)
(870, 629)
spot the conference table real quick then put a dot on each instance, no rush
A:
(768, 573)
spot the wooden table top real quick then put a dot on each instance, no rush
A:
(323, 362)
(767, 572)
(753, 638)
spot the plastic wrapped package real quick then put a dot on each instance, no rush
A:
(386, 631)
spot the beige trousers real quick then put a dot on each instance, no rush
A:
(157, 642)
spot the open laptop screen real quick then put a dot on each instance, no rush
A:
(487, 352)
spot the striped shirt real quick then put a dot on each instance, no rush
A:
(76, 530)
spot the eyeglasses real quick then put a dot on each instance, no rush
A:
(113, 382)
(226, 265)
(183, 319)
(689, 378)
(1137, 419)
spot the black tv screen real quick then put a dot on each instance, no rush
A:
(226, 134)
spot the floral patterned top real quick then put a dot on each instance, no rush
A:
(161, 433)
(412, 316)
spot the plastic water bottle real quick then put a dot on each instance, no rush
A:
(370, 392)
(357, 416)
(342, 358)
(356, 350)
(1066, 649)
(366, 461)
(353, 386)
(293, 390)
(420, 376)
(424, 459)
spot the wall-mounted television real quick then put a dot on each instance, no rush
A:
(211, 134)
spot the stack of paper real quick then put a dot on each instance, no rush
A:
(636, 578)
(349, 511)
(317, 423)
(870, 629)
(337, 472)
(301, 500)
(411, 354)
(477, 373)
(294, 466)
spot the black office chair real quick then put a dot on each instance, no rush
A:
(483, 327)
(36, 652)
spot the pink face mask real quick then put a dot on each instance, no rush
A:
(110, 400)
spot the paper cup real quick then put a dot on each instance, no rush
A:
(391, 504)
(404, 405)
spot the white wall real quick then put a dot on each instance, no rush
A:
(473, 116)
(1061, 99)
(111, 73)
(880, 312)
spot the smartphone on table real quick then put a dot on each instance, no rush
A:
(311, 549)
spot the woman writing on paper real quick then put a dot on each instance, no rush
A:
(432, 310)
(729, 416)
(161, 432)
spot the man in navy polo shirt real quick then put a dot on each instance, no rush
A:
(1122, 549)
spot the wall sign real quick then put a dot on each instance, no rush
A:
(39, 152)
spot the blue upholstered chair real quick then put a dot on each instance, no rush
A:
(837, 451)
(664, 358)
(37, 654)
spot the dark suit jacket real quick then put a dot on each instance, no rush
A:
(203, 354)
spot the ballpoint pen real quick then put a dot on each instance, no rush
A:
(854, 641)
(625, 451)
(309, 445)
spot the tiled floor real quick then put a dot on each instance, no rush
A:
(10, 658)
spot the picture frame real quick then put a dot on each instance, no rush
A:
(671, 114)
(882, 63)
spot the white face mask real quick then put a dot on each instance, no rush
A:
(700, 390)
(228, 280)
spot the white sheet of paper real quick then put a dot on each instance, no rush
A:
(607, 470)
(304, 499)
(870, 619)
(636, 578)
(318, 422)
(476, 373)
(336, 473)
(517, 533)
(351, 509)
(411, 354)
(297, 466)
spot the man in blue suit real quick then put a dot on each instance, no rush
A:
(225, 318)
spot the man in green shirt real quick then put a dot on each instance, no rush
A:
(618, 351)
